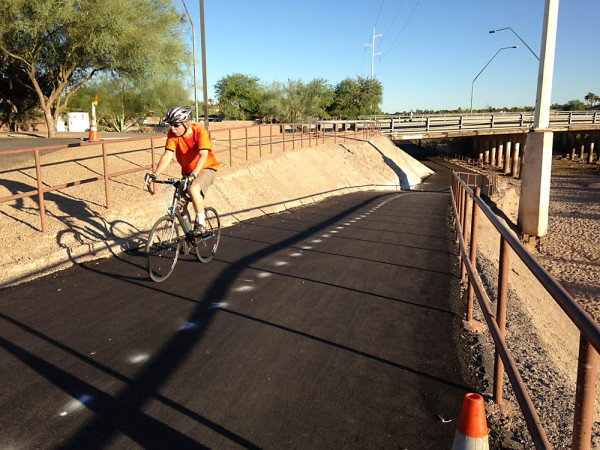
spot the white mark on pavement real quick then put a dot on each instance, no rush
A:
(77, 404)
(243, 288)
(188, 326)
(217, 305)
(139, 358)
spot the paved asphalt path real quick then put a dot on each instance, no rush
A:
(326, 326)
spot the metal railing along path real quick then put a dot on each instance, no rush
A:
(589, 343)
(302, 135)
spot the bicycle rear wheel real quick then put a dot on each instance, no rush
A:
(206, 245)
(162, 248)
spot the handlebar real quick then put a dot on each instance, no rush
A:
(150, 179)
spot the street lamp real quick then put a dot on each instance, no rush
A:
(473, 84)
(194, 47)
(509, 28)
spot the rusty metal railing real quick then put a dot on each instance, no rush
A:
(311, 132)
(589, 343)
(288, 135)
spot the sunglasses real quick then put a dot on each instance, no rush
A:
(176, 125)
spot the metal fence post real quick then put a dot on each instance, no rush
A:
(246, 130)
(463, 213)
(230, 150)
(40, 187)
(587, 370)
(473, 251)
(335, 133)
(106, 178)
(501, 315)
(153, 156)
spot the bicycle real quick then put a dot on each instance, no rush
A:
(166, 241)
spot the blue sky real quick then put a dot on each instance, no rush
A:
(431, 49)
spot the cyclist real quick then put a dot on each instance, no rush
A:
(192, 147)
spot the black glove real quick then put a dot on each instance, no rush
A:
(148, 182)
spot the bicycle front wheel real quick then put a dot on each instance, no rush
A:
(206, 245)
(162, 248)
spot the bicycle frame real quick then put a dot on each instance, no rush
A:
(173, 209)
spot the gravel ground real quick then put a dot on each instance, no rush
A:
(542, 340)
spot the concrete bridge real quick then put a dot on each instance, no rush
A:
(437, 126)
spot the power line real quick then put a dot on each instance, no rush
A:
(403, 27)
(395, 17)
(379, 13)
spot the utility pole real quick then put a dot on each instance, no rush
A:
(372, 45)
(204, 82)
(194, 47)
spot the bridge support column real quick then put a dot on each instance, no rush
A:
(486, 151)
(493, 159)
(591, 157)
(535, 187)
(582, 148)
(500, 155)
(507, 157)
(515, 160)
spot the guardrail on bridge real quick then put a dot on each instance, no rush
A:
(430, 124)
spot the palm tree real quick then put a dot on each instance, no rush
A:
(591, 98)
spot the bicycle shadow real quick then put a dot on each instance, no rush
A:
(78, 224)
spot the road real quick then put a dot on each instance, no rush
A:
(326, 326)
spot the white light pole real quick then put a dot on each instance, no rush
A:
(194, 49)
(509, 28)
(473, 83)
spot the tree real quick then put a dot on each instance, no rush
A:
(65, 44)
(122, 100)
(574, 105)
(297, 101)
(239, 95)
(18, 104)
(592, 99)
(354, 97)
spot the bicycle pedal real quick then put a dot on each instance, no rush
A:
(187, 247)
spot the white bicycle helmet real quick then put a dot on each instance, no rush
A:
(178, 114)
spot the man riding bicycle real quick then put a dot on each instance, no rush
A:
(192, 147)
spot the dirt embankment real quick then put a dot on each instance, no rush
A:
(80, 227)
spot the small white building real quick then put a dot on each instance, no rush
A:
(78, 121)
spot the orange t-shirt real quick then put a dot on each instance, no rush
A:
(187, 149)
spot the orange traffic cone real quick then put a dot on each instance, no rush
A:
(472, 431)
(93, 130)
